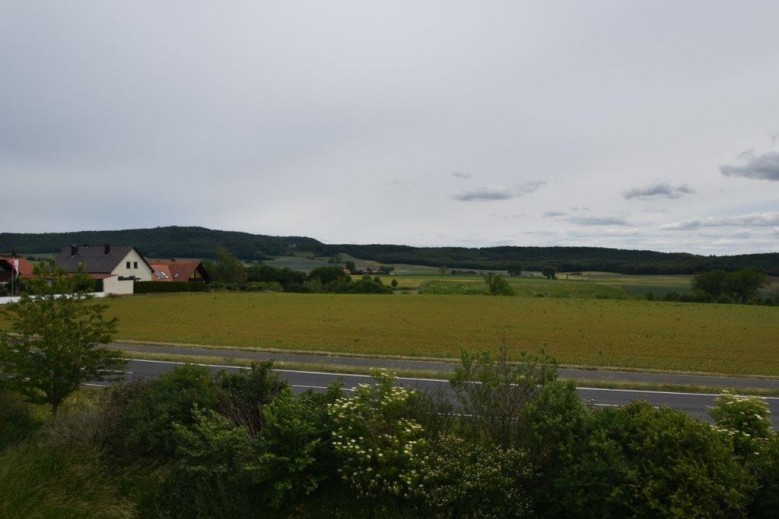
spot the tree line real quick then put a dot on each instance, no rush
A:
(198, 242)
(228, 272)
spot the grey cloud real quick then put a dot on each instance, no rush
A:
(754, 220)
(758, 167)
(490, 193)
(461, 176)
(484, 194)
(598, 220)
(554, 214)
(662, 190)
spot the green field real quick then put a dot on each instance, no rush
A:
(588, 332)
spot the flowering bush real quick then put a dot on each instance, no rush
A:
(381, 447)
(745, 418)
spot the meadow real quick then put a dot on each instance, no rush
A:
(632, 334)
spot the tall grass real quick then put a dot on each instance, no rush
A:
(53, 471)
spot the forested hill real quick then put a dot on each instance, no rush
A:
(198, 242)
(162, 242)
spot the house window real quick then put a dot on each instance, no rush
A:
(135, 264)
(127, 264)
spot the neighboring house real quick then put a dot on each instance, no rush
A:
(20, 267)
(105, 261)
(179, 270)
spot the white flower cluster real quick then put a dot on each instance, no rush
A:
(381, 448)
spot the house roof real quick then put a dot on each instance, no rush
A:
(175, 270)
(25, 267)
(97, 259)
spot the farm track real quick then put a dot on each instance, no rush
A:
(602, 376)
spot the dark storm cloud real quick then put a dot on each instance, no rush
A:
(758, 167)
(660, 190)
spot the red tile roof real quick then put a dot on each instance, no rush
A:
(176, 270)
(25, 269)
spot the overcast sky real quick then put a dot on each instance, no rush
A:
(633, 124)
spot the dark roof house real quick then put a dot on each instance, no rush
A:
(103, 261)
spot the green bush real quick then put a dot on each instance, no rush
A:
(381, 447)
(140, 415)
(473, 480)
(638, 461)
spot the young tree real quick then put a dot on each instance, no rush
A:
(56, 329)
(549, 272)
(515, 270)
(227, 268)
(492, 391)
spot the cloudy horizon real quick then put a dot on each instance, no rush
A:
(636, 125)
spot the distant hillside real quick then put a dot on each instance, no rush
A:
(162, 242)
(198, 242)
(565, 259)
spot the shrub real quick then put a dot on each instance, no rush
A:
(473, 480)
(492, 391)
(141, 414)
(497, 285)
(745, 418)
(381, 448)
(638, 461)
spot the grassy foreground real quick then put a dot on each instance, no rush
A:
(588, 332)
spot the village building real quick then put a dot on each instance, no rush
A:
(179, 270)
(117, 266)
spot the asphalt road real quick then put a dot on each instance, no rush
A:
(694, 404)
(583, 375)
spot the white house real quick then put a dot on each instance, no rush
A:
(121, 262)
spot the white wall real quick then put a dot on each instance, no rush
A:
(138, 268)
(114, 285)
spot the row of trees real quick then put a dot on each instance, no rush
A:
(741, 286)
(230, 272)
(198, 242)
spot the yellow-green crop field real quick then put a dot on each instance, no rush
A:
(587, 332)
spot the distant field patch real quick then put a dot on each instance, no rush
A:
(590, 332)
(523, 286)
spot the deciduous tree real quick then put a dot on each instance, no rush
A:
(54, 345)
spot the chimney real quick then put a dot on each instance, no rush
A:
(73, 250)
(107, 248)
